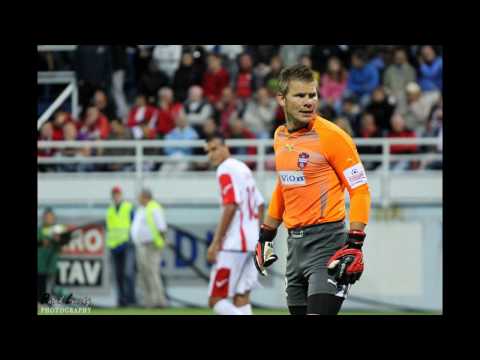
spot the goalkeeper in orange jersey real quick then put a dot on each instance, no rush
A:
(315, 162)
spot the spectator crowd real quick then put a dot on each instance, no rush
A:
(186, 92)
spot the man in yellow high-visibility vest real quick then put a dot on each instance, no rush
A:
(149, 235)
(118, 223)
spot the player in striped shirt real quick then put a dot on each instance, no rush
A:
(233, 275)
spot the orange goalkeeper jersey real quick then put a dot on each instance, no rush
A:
(314, 166)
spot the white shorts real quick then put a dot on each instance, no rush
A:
(233, 273)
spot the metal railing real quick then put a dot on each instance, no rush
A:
(41, 48)
(263, 159)
(260, 158)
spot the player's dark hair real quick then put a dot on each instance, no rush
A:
(294, 72)
(216, 135)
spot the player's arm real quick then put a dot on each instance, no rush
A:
(225, 220)
(276, 207)
(271, 222)
(343, 157)
(229, 201)
(355, 225)
(347, 263)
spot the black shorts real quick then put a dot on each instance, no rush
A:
(309, 250)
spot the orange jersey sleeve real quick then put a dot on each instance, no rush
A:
(343, 156)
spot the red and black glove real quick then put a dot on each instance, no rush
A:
(346, 265)
(264, 256)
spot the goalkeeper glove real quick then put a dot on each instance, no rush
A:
(264, 256)
(346, 265)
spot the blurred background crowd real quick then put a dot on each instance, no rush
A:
(186, 92)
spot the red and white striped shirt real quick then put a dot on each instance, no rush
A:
(237, 186)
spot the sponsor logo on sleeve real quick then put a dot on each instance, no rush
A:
(292, 177)
(220, 283)
(226, 189)
(355, 175)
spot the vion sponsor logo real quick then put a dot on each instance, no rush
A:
(292, 177)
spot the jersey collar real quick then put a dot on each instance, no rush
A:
(302, 130)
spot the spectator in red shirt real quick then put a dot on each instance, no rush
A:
(141, 114)
(46, 134)
(227, 108)
(399, 130)
(245, 80)
(215, 79)
(95, 125)
(166, 112)
(59, 120)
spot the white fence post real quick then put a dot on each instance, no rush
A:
(385, 191)
(75, 109)
(138, 167)
(261, 164)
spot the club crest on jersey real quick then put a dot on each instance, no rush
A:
(302, 160)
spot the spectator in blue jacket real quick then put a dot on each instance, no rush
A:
(182, 131)
(430, 70)
(363, 78)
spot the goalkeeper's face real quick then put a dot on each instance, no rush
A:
(300, 102)
(217, 152)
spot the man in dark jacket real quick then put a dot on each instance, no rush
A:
(93, 66)
(185, 77)
(381, 109)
